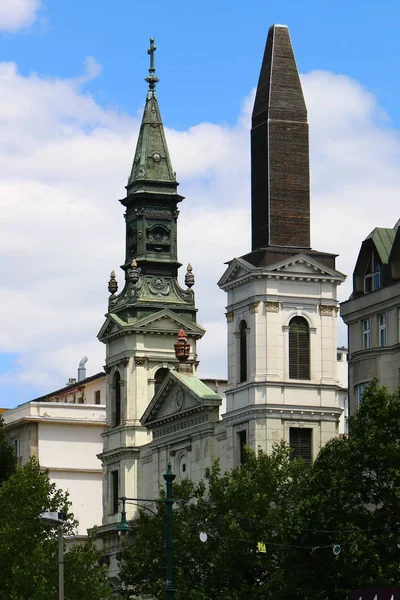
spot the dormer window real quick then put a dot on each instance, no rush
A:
(372, 278)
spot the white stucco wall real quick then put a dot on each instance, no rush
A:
(67, 439)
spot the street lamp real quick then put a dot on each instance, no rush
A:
(59, 519)
(123, 528)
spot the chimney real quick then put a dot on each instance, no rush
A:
(82, 369)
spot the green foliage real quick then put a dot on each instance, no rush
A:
(349, 496)
(8, 461)
(29, 547)
(227, 507)
(354, 489)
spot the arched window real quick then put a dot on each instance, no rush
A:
(243, 351)
(159, 378)
(299, 349)
(116, 404)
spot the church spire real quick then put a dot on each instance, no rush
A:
(279, 150)
(152, 169)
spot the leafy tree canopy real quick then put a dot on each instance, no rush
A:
(29, 547)
(8, 460)
(349, 498)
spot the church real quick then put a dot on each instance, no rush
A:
(281, 314)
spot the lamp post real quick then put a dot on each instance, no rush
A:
(123, 528)
(59, 519)
(169, 584)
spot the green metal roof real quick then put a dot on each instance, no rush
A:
(196, 386)
(383, 239)
(152, 162)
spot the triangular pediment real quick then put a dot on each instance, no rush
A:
(167, 321)
(111, 326)
(302, 265)
(163, 321)
(180, 395)
(237, 270)
(297, 266)
(178, 400)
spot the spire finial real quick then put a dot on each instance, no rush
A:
(152, 79)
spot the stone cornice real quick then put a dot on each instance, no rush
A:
(262, 273)
(286, 412)
(178, 426)
(177, 416)
(361, 355)
(118, 453)
(294, 383)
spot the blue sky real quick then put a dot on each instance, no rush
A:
(209, 52)
(68, 129)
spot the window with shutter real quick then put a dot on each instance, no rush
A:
(242, 439)
(114, 484)
(243, 351)
(300, 441)
(299, 349)
(116, 401)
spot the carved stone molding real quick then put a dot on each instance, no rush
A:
(272, 307)
(157, 433)
(140, 360)
(229, 317)
(106, 369)
(328, 311)
(125, 361)
(254, 307)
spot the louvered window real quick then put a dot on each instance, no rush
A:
(301, 443)
(242, 439)
(116, 404)
(299, 349)
(114, 492)
(243, 351)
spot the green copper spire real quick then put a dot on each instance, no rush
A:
(152, 163)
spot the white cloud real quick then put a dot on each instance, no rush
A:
(64, 161)
(17, 14)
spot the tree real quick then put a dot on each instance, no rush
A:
(29, 547)
(227, 507)
(8, 460)
(348, 498)
(352, 499)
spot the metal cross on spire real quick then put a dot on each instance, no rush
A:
(152, 79)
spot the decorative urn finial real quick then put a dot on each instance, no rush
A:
(182, 348)
(112, 284)
(189, 277)
(134, 272)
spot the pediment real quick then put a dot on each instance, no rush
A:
(179, 396)
(111, 326)
(163, 321)
(167, 321)
(302, 265)
(177, 401)
(238, 269)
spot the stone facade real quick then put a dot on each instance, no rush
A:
(281, 317)
(372, 315)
